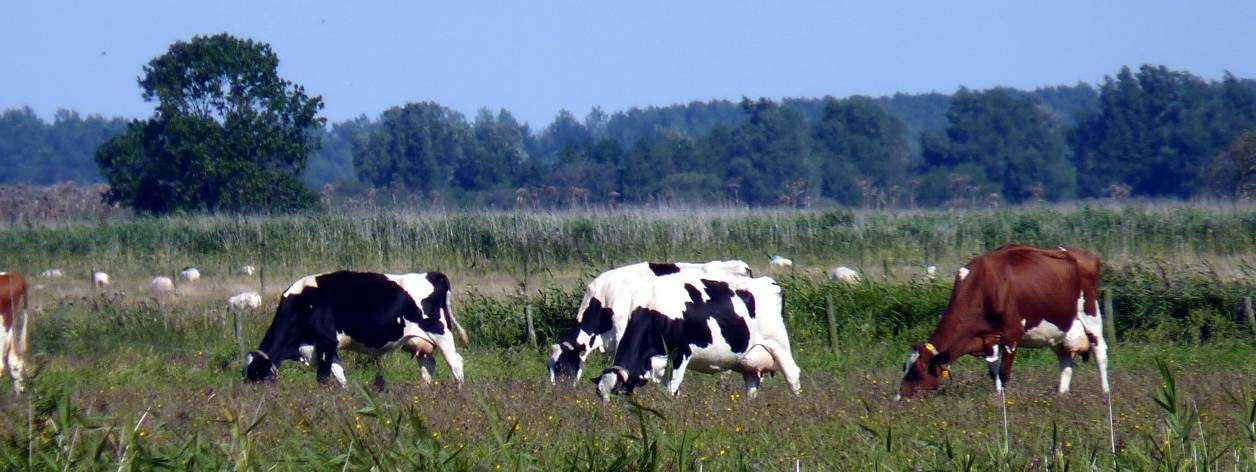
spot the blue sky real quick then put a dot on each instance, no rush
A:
(535, 58)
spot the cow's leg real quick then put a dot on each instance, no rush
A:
(752, 383)
(427, 367)
(679, 363)
(379, 373)
(1093, 325)
(7, 348)
(1066, 369)
(993, 363)
(446, 345)
(329, 363)
(15, 368)
(1004, 375)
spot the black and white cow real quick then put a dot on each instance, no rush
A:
(364, 312)
(705, 322)
(604, 310)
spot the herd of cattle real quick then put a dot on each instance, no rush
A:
(657, 321)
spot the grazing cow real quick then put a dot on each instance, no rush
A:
(51, 274)
(190, 274)
(845, 274)
(603, 312)
(247, 269)
(99, 279)
(244, 301)
(364, 312)
(1015, 296)
(779, 262)
(706, 322)
(13, 300)
(162, 284)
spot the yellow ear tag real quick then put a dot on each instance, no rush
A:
(946, 374)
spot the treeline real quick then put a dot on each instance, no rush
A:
(38, 152)
(1150, 132)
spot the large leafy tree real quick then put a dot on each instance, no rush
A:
(1001, 144)
(1156, 130)
(770, 154)
(228, 133)
(856, 140)
(1233, 172)
(416, 146)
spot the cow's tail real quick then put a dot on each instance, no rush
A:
(453, 322)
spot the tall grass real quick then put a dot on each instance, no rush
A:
(530, 243)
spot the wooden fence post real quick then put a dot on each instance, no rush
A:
(527, 316)
(1109, 315)
(830, 312)
(1251, 316)
(239, 336)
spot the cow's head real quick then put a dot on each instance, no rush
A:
(924, 370)
(566, 360)
(258, 367)
(618, 380)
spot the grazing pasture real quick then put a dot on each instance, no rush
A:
(119, 378)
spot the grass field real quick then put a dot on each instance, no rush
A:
(133, 381)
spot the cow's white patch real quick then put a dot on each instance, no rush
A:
(349, 344)
(309, 281)
(911, 359)
(415, 285)
(963, 272)
(307, 353)
(994, 356)
(338, 371)
(4, 273)
(1046, 334)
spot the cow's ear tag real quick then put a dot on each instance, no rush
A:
(946, 373)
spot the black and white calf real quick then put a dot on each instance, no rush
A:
(704, 322)
(604, 310)
(363, 312)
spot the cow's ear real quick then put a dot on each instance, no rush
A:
(943, 358)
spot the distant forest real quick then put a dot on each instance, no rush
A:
(1148, 132)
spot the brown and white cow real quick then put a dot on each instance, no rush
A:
(12, 343)
(1015, 296)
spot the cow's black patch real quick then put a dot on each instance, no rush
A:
(661, 269)
(748, 299)
(650, 333)
(433, 305)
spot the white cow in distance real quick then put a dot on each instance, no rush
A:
(844, 274)
(247, 269)
(99, 279)
(190, 274)
(780, 262)
(162, 284)
(245, 300)
(51, 274)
